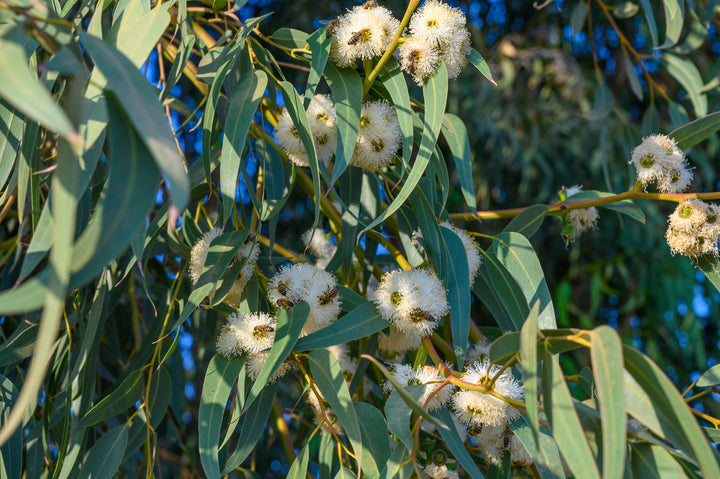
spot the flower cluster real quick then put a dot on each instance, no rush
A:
(429, 376)
(580, 220)
(199, 252)
(309, 284)
(434, 471)
(363, 33)
(321, 118)
(658, 159)
(438, 34)
(694, 229)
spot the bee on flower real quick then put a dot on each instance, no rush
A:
(363, 33)
(250, 333)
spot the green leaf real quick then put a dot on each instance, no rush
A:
(397, 466)
(603, 104)
(116, 401)
(516, 253)
(650, 18)
(20, 87)
(398, 412)
(626, 10)
(578, 17)
(674, 17)
(696, 131)
(105, 457)
(394, 82)
(458, 296)
(319, 44)
(456, 136)
(688, 75)
(504, 347)
(484, 290)
(243, 103)
(710, 377)
(10, 452)
(651, 461)
(288, 326)
(376, 446)
(254, 421)
(625, 207)
(504, 291)
(529, 367)
(346, 91)
(11, 129)
(564, 421)
(139, 28)
(290, 37)
(330, 381)
(298, 469)
(220, 376)
(139, 100)
(680, 425)
(455, 444)
(479, 62)
(361, 322)
(18, 346)
(607, 363)
(161, 390)
(435, 95)
(546, 456)
(633, 78)
(528, 222)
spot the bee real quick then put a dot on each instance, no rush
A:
(413, 59)
(506, 438)
(263, 330)
(331, 27)
(283, 289)
(285, 303)
(328, 296)
(474, 428)
(418, 315)
(370, 4)
(357, 36)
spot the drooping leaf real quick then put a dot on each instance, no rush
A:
(361, 322)
(105, 457)
(528, 222)
(456, 135)
(696, 131)
(346, 92)
(394, 82)
(116, 401)
(687, 74)
(529, 367)
(298, 469)
(479, 62)
(458, 296)
(376, 446)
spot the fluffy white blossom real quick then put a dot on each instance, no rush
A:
(519, 455)
(378, 137)
(362, 33)
(491, 440)
(478, 351)
(471, 250)
(694, 229)
(433, 471)
(431, 377)
(580, 220)
(255, 363)
(419, 58)
(658, 159)
(320, 246)
(473, 407)
(248, 253)
(413, 300)
(312, 285)
(321, 119)
(250, 333)
(199, 253)
(437, 22)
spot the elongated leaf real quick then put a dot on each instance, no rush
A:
(10, 452)
(11, 129)
(483, 290)
(674, 17)
(287, 330)
(298, 469)
(397, 466)
(346, 91)
(394, 82)
(479, 62)
(254, 421)
(625, 207)
(651, 461)
(680, 425)
(398, 413)
(139, 28)
(688, 75)
(528, 222)
(696, 131)
(710, 377)
(220, 376)
(115, 402)
(458, 297)
(506, 292)
(455, 134)
(650, 17)
(376, 447)
(18, 346)
(435, 95)
(319, 44)
(603, 103)
(455, 444)
(564, 421)
(243, 103)
(330, 381)
(578, 17)
(517, 255)
(544, 452)
(20, 87)
(529, 367)
(105, 457)
(504, 347)
(633, 78)
(606, 355)
(361, 322)
(139, 100)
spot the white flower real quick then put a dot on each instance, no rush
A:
(255, 363)
(363, 33)
(473, 254)
(434, 471)
(321, 118)
(694, 229)
(491, 440)
(320, 246)
(519, 455)
(251, 333)
(427, 375)
(419, 58)
(199, 253)
(455, 55)
(248, 253)
(413, 300)
(307, 283)
(378, 138)
(437, 22)
(472, 407)
(659, 159)
(478, 351)
(399, 342)
(580, 220)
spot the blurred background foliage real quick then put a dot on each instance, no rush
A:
(548, 123)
